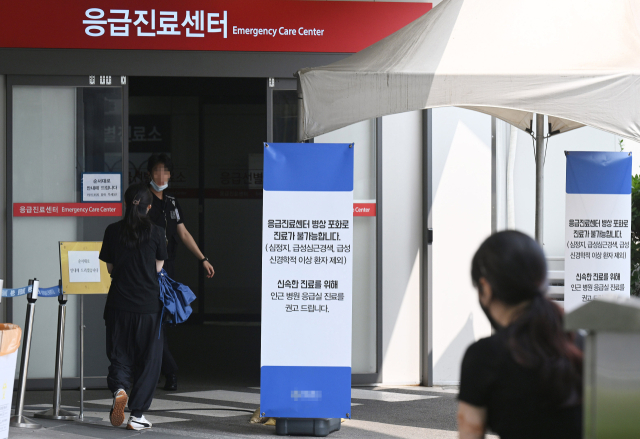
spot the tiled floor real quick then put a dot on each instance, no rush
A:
(219, 371)
(389, 412)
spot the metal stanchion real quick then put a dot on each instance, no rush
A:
(18, 420)
(81, 417)
(56, 412)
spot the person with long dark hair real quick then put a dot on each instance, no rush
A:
(134, 250)
(525, 381)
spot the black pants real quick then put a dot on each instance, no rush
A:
(135, 353)
(169, 365)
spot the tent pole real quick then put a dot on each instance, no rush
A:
(300, 111)
(539, 177)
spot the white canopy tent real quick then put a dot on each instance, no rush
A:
(575, 61)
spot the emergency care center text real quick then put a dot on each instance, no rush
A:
(150, 23)
(279, 31)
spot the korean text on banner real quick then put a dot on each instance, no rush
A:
(597, 226)
(307, 236)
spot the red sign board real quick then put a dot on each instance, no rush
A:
(67, 209)
(226, 25)
(364, 209)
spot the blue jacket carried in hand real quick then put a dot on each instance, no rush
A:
(175, 298)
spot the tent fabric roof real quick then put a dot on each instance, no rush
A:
(575, 60)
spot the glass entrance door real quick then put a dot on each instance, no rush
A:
(59, 128)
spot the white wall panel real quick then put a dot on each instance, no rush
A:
(362, 134)
(44, 152)
(401, 246)
(461, 221)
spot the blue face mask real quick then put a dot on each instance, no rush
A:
(159, 188)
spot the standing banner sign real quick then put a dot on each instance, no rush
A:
(597, 226)
(307, 236)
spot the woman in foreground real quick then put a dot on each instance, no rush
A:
(134, 250)
(525, 381)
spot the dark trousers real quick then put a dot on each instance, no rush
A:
(135, 353)
(169, 365)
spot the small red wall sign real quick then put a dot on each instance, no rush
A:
(364, 209)
(67, 209)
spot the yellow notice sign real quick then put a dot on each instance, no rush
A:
(81, 270)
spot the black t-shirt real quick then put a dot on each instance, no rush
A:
(134, 283)
(492, 379)
(167, 214)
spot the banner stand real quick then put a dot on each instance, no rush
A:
(56, 412)
(19, 420)
(80, 417)
(598, 223)
(83, 273)
(307, 269)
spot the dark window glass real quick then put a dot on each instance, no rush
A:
(285, 116)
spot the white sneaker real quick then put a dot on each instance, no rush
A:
(140, 423)
(116, 415)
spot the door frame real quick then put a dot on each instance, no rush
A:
(357, 379)
(55, 81)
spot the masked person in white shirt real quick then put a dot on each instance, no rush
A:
(167, 213)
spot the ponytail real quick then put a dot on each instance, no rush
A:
(537, 340)
(516, 268)
(137, 225)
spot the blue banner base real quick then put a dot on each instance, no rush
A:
(305, 392)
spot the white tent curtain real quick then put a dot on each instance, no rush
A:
(574, 60)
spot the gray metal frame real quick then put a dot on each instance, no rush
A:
(494, 183)
(3, 139)
(363, 379)
(357, 379)
(160, 62)
(59, 81)
(379, 273)
(279, 84)
(540, 152)
(426, 293)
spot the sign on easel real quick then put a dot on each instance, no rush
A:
(597, 226)
(81, 270)
(307, 238)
